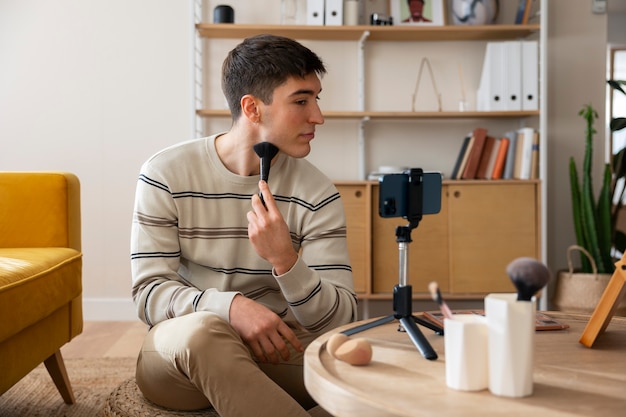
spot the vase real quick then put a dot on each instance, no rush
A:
(474, 12)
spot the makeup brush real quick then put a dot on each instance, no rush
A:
(433, 287)
(528, 275)
(266, 151)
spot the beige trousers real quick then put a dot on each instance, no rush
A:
(198, 360)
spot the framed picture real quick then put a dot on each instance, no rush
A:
(418, 12)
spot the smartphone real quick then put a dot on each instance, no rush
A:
(394, 194)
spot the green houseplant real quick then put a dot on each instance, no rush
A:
(595, 221)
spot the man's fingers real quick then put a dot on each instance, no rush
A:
(290, 337)
(270, 351)
(258, 352)
(268, 198)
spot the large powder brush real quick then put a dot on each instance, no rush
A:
(266, 151)
(528, 275)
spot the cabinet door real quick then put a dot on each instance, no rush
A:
(428, 253)
(490, 225)
(356, 203)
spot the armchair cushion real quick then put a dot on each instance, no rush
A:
(43, 279)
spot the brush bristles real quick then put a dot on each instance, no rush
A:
(433, 287)
(528, 276)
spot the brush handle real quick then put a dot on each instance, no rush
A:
(266, 152)
(445, 310)
(266, 163)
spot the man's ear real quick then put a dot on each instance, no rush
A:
(250, 108)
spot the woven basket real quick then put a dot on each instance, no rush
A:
(578, 292)
(126, 400)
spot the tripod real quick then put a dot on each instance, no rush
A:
(402, 293)
(402, 299)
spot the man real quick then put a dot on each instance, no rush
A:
(416, 8)
(235, 288)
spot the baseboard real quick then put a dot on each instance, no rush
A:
(109, 309)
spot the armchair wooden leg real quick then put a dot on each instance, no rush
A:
(56, 369)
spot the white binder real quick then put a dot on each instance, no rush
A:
(492, 89)
(513, 75)
(314, 12)
(334, 12)
(530, 75)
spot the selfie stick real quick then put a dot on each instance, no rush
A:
(402, 293)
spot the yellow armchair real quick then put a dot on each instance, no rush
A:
(40, 274)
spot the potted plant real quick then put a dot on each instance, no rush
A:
(595, 222)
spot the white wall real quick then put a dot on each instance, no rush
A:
(577, 42)
(96, 87)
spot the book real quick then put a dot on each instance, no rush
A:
(459, 159)
(523, 12)
(534, 159)
(510, 155)
(480, 136)
(485, 158)
(526, 147)
(492, 159)
(542, 320)
(519, 151)
(468, 150)
(501, 155)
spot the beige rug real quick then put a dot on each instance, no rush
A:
(92, 381)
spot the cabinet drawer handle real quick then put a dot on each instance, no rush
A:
(358, 193)
(457, 194)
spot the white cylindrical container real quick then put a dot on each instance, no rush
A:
(511, 325)
(288, 12)
(351, 12)
(465, 344)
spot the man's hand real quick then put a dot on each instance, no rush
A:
(262, 330)
(269, 233)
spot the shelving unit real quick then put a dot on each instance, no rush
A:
(360, 195)
(375, 33)
(400, 115)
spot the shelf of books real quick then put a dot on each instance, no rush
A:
(512, 156)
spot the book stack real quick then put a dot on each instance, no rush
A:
(514, 155)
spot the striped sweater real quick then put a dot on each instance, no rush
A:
(190, 249)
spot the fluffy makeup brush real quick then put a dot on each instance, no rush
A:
(528, 276)
(435, 293)
(266, 151)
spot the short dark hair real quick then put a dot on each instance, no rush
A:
(261, 63)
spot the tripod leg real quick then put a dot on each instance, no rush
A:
(418, 338)
(369, 325)
(438, 330)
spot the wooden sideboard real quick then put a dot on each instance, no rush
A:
(482, 226)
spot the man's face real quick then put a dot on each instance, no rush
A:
(416, 7)
(289, 122)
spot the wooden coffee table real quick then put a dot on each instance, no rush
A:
(569, 379)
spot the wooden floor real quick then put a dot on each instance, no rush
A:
(101, 339)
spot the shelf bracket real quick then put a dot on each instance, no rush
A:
(361, 102)
(197, 86)
(362, 168)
